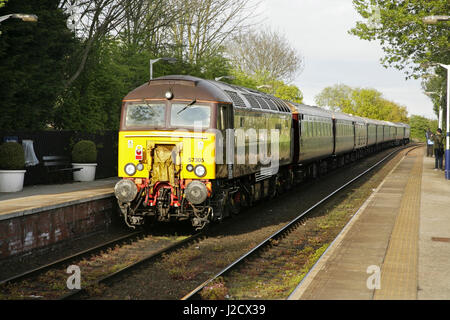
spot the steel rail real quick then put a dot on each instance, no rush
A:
(194, 293)
(79, 292)
(78, 255)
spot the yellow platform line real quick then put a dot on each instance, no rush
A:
(399, 272)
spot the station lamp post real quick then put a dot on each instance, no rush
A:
(447, 149)
(152, 61)
(434, 20)
(224, 77)
(266, 86)
(21, 16)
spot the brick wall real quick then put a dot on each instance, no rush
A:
(35, 231)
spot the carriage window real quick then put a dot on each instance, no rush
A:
(145, 115)
(183, 115)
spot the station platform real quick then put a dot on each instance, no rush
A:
(33, 199)
(396, 247)
(40, 216)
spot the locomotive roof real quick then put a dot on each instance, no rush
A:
(183, 87)
(189, 88)
(311, 110)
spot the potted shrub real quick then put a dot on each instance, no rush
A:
(12, 164)
(84, 156)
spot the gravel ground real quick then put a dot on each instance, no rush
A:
(178, 273)
(37, 258)
(34, 259)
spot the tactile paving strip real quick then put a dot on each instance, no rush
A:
(400, 265)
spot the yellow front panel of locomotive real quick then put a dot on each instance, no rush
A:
(197, 148)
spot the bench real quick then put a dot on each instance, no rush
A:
(58, 166)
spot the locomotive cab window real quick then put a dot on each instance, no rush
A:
(184, 115)
(145, 115)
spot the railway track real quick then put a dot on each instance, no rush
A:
(66, 260)
(133, 253)
(123, 271)
(98, 265)
(281, 233)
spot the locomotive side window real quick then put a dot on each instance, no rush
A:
(145, 115)
(224, 117)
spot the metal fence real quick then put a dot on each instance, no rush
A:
(60, 143)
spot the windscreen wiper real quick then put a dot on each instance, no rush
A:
(187, 106)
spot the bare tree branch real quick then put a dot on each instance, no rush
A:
(266, 54)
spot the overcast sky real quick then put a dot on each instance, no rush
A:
(318, 29)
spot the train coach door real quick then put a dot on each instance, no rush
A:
(334, 135)
(225, 117)
(297, 131)
(354, 134)
(225, 124)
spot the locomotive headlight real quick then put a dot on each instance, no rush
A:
(200, 171)
(168, 95)
(130, 169)
(196, 192)
(125, 190)
(190, 168)
(140, 167)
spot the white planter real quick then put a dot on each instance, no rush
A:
(87, 173)
(11, 180)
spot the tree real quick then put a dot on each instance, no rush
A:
(113, 69)
(278, 88)
(33, 64)
(135, 20)
(265, 54)
(335, 98)
(419, 125)
(95, 20)
(364, 102)
(204, 25)
(289, 92)
(192, 30)
(93, 102)
(435, 86)
(146, 25)
(407, 41)
(2, 3)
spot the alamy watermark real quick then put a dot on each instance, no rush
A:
(374, 281)
(74, 281)
(242, 146)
